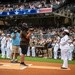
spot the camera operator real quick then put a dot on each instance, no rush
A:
(24, 42)
(15, 45)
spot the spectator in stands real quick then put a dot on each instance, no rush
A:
(32, 6)
(45, 50)
(50, 47)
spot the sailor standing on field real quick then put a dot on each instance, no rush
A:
(71, 48)
(57, 38)
(64, 46)
(3, 45)
(33, 49)
(56, 47)
(9, 44)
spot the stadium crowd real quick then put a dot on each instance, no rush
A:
(43, 43)
(31, 5)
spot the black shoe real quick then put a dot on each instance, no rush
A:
(23, 64)
(16, 61)
(12, 61)
(1, 64)
(63, 68)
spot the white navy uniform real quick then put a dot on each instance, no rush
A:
(33, 51)
(71, 48)
(58, 44)
(9, 45)
(64, 46)
(28, 51)
(56, 47)
(20, 51)
(3, 45)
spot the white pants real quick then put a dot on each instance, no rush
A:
(8, 52)
(3, 49)
(20, 51)
(33, 51)
(65, 58)
(61, 55)
(69, 55)
(55, 54)
(28, 52)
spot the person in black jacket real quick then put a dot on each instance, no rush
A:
(24, 42)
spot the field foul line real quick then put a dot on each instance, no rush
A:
(6, 65)
(50, 67)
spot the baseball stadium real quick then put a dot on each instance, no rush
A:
(37, 37)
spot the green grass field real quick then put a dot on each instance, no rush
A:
(46, 60)
(37, 59)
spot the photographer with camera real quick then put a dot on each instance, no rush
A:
(15, 45)
(24, 42)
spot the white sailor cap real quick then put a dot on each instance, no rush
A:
(70, 40)
(66, 30)
(55, 41)
(3, 34)
(8, 34)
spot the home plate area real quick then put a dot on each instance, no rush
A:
(17, 66)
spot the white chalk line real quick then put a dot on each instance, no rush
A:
(30, 66)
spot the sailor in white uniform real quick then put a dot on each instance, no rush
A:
(71, 48)
(57, 37)
(9, 44)
(56, 47)
(33, 50)
(28, 52)
(3, 45)
(64, 46)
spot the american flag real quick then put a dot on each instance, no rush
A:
(45, 10)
